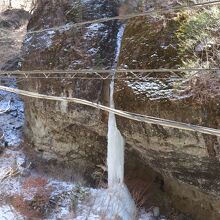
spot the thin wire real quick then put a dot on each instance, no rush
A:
(128, 115)
(74, 74)
(160, 70)
(125, 17)
(95, 78)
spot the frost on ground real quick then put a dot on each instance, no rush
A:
(110, 204)
(8, 212)
(27, 194)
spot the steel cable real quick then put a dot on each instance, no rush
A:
(128, 115)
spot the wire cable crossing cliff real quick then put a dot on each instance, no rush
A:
(128, 115)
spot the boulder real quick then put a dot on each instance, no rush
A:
(188, 161)
(60, 130)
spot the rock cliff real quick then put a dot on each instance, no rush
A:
(185, 159)
(63, 131)
(188, 161)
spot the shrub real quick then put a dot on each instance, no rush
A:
(198, 36)
(39, 205)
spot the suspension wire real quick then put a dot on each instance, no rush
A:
(125, 114)
(95, 78)
(91, 71)
(92, 74)
(125, 17)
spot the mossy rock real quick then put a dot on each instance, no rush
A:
(150, 43)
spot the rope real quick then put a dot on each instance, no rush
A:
(125, 17)
(128, 115)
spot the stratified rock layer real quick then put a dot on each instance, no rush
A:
(59, 130)
(189, 161)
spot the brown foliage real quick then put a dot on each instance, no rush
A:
(24, 208)
(34, 182)
(39, 205)
(204, 88)
(139, 191)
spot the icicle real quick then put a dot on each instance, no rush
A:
(119, 199)
(116, 143)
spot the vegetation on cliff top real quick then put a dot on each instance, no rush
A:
(184, 39)
(198, 37)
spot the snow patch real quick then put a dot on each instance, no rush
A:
(154, 88)
(64, 106)
(94, 29)
(41, 40)
(7, 212)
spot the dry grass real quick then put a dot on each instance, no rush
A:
(203, 87)
(11, 172)
(32, 182)
(22, 207)
(139, 190)
(39, 205)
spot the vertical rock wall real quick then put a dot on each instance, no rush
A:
(77, 134)
(60, 130)
(189, 161)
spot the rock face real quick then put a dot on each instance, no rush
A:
(188, 161)
(63, 131)
(13, 24)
